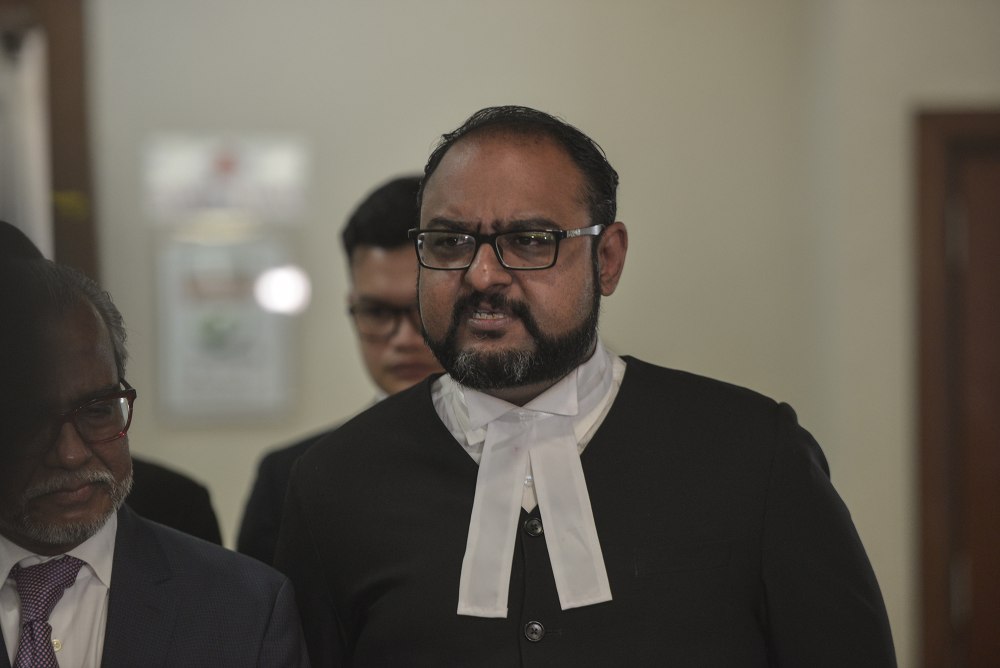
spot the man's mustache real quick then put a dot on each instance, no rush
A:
(474, 301)
(68, 481)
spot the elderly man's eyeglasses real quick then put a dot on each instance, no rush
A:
(519, 249)
(103, 419)
(380, 322)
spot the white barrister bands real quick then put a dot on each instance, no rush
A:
(541, 438)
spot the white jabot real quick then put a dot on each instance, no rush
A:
(523, 451)
(80, 617)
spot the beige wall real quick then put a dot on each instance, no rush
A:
(765, 150)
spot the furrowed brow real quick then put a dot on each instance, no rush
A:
(440, 223)
(527, 224)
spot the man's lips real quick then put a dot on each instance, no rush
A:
(71, 489)
(489, 319)
(488, 315)
(73, 495)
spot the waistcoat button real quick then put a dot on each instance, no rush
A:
(534, 631)
(533, 527)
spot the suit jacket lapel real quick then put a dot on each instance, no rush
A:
(141, 609)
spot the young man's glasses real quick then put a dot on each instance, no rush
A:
(380, 322)
(519, 249)
(103, 419)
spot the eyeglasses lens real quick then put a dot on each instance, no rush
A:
(527, 250)
(102, 419)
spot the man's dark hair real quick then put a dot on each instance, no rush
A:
(67, 286)
(600, 176)
(383, 217)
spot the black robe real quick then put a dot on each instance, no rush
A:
(724, 541)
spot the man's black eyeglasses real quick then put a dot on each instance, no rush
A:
(518, 249)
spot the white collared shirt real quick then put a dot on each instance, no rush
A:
(80, 617)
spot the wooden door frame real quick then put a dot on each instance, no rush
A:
(74, 231)
(943, 138)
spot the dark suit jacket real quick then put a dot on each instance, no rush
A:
(168, 497)
(179, 601)
(262, 516)
(724, 541)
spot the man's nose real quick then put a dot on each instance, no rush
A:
(69, 450)
(486, 270)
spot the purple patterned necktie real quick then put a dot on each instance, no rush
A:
(40, 588)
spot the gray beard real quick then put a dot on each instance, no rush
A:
(493, 372)
(73, 533)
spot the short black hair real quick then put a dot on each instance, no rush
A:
(384, 216)
(601, 178)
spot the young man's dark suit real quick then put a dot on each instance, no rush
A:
(262, 516)
(179, 601)
(725, 543)
(171, 498)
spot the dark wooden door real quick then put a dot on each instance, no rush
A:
(959, 200)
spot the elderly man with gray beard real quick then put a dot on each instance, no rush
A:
(85, 581)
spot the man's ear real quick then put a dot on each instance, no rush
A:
(613, 245)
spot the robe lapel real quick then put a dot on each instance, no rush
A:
(142, 609)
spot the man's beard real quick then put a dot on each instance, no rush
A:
(72, 533)
(551, 359)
